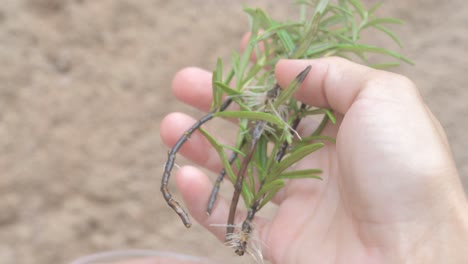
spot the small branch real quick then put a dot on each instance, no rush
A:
(217, 185)
(171, 159)
(256, 134)
(241, 246)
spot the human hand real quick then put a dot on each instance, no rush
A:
(391, 192)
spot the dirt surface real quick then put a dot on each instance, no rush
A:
(84, 85)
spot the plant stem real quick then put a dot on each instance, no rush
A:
(219, 179)
(171, 159)
(256, 134)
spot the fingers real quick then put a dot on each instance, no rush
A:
(196, 148)
(336, 83)
(196, 188)
(193, 87)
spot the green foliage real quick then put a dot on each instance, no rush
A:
(325, 28)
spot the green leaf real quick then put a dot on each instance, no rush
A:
(217, 77)
(359, 7)
(316, 49)
(262, 116)
(309, 139)
(367, 48)
(308, 38)
(246, 194)
(390, 34)
(295, 156)
(221, 153)
(298, 174)
(253, 71)
(266, 22)
(287, 93)
(321, 7)
(375, 7)
(331, 21)
(247, 54)
(267, 198)
(343, 12)
(384, 66)
(287, 41)
(233, 149)
(321, 126)
(278, 27)
(272, 186)
(328, 112)
(225, 88)
(261, 154)
(235, 58)
(234, 94)
(230, 76)
(330, 115)
(384, 20)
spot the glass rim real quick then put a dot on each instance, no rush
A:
(118, 255)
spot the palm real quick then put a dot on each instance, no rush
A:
(319, 215)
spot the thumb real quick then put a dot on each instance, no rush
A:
(336, 82)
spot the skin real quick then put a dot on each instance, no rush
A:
(391, 192)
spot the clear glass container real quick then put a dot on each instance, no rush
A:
(141, 257)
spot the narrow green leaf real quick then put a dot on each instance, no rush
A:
(267, 198)
(233, 149)
(308, 38)
(235, 58)
(298, 174)
(390, 34)
(309, 139)
(328, 112)
(272, 186)
(292, 158)
(252, 116)
(247, 54)
(266, 23)
(246, 193)
(321, 126)
(384, 20)
(229, 76)
(217, 77)
(368, 48)
(319, 48)
(242, 131)
(221, 153)
(261, 152)
(341, 10)
(331, 21)
(321, 7)
(384, 66)
(330, 115)
(253, 71)
(359, 7)
(287, 93)
(375, 7)
(278, 27)
(225, 88)
(287, 41)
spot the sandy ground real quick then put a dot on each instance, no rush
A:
(84, 85)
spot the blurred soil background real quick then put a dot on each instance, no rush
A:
(85, 83)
